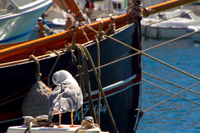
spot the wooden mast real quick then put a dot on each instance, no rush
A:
(165, 6)
(38, 43)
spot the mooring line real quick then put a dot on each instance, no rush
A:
(170, 92)
(170, 82)
(171, 97)
(153, 58)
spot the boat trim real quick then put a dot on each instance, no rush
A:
(17, 36)
(115, 88)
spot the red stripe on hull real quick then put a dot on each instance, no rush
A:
(119, 88)
(10, 115)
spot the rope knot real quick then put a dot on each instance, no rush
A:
(88, 123)
(38, 121)
(37, 65)
(134, 10)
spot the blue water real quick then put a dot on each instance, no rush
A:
(176, 114)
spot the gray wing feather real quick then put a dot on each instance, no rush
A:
(54, 97)
(72, 97)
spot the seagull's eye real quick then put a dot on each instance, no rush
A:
(54, 79)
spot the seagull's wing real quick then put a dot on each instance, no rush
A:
(54, 98)
(71, 99)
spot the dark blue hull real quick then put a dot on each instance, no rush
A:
(16, 81)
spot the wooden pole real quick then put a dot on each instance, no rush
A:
(165, 6)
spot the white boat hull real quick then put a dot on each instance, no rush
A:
(55, 129)
(195, 36)
(167, 25)
(163, 33)
(15, 27)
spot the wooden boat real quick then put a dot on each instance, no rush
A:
(18, 18)
(120, 69)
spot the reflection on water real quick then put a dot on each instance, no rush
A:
(177, 114)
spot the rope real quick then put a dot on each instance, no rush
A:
(81, 80)
(142, 51)
(153, 58)
(139, 118)
(70, 27)
(100, 89)
(171, 97)
(87, 81)
(53, 66)
(99, 74)
(133, 10)
(87, 123)
(80, 17)
(85, 34)
(90, 28)
(171, 83)
(111, 29)
(112, 26)
(170, 92)
(138, 52)
(47, 28)
(37, 66)
(37, 122)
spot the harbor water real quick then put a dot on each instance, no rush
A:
(176, 114)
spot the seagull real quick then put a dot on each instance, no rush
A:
(66, 96)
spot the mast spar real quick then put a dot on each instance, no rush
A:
(165, 6)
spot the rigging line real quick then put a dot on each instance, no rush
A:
(171, 83)
(170, 92)
(153, 58)
(12, 100)
(138, 52)
(171, 97)
(143, 51)
(170, 18)
(100, 89)
(89, 28)
(171, 40)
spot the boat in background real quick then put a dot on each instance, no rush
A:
(18, 18)
(114, 46)
(161, 26)
(195, 36)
